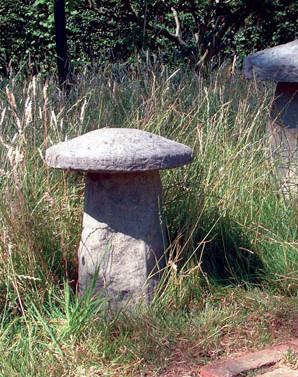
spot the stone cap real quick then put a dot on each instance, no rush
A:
(118, 150)
(278, 63)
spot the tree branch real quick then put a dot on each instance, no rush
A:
(178, 28)
(161, 30)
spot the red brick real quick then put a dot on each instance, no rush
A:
(293, 343)
(247, 362)
(281, 372)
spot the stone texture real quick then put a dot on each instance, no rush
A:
(280, 372)
(283, 126)
(121, 252)
(233, 367)
(123, 240)
(118, 150)
(278, 63)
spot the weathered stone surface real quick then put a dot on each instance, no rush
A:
(251, 361)
(123, 240)
(280, 372)
(278, 63)
(283, 128)
(118, 150)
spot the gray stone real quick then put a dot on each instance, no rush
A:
(118, 150)
(123, 239)
(121, 252)
(280, 372)
(283, 127)
(278, 63)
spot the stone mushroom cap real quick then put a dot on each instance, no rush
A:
(278, 63)
(118, 150)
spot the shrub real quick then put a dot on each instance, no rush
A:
(117, 29)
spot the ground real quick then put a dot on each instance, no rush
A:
(187, 362)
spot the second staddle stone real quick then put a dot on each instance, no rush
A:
(123, 239)
(284, 135)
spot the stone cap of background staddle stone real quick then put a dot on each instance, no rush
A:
(109, 150)
(278, 63)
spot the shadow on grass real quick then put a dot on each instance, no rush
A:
(227, 256)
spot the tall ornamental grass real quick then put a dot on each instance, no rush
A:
(228, 223)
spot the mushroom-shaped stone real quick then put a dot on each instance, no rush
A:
(123, 240)
(280, 64)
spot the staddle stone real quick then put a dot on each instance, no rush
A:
(121, 252)
(280, 64)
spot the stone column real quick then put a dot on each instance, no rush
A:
(280, 64)
(123, 238)
(283, 127)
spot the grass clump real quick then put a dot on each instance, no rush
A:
(232, 258)
(290, 359)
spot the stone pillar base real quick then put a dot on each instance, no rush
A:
(123, 240)
(283, 128)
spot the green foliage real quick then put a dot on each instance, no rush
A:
(232, 263)
(226, 213)
(29, 33)
(117, 29)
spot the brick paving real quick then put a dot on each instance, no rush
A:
(252, 361)
(280, 372)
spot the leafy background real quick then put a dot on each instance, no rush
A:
(118, 30)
